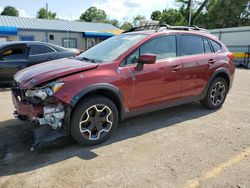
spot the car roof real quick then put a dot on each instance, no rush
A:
(13, 43)
(21, 42)
(168, 32)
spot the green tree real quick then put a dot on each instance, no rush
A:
(42, 13)
(197, 7)
(126, 25)
(202, 20)
(172, 17)
(156, 15)
(207, 13)
(137, 19)
(234, 14)
(93, 14)
(114, 22)
(10, 11)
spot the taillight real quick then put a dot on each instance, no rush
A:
(230, 55)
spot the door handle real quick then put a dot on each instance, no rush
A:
(211, 61)
(175, 68)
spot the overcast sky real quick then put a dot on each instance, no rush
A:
(71, 9)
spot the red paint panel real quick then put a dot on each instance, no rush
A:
(26, 109)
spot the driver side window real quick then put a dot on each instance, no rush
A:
(13, 53)
(133, 58)
(163, 47)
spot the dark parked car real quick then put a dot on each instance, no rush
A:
(15, 56)
(129, 74)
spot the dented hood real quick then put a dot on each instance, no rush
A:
(51, 70)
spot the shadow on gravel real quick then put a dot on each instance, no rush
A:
(4, 89)
(16, 139)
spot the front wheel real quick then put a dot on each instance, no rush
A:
(94, 120)
(216, 94)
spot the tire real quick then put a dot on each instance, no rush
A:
(99, 118)
(216, 94)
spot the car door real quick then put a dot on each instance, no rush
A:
(198, 59)
(40, 53)
(12, 59)
(156, 82)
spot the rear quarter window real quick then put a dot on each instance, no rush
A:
(216, 46)
(207, 46)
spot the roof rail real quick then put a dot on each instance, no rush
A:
(147, 27)
(189, 28)
(164, 27)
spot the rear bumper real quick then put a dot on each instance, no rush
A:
(25, 109)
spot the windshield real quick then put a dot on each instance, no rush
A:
(111, 48)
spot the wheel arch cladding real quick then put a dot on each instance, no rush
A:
(107, 90)
(225, 76)
(221, 72)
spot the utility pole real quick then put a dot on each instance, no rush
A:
(67, 38)
(190, 13)
(47, 10)
(47, 16)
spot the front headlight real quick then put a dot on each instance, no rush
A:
(58, 86)
(43, 92)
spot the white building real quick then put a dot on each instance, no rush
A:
(237, 39)
(81, 35)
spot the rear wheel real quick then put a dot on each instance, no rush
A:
(216, 94)
(94, 120)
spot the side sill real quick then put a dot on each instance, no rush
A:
(163, 105)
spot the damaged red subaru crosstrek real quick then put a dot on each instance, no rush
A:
(133, 73)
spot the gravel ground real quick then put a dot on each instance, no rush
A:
(185, 146)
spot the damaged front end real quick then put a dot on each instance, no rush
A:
(43, 110)
(53, 116)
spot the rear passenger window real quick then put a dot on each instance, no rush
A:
(191, 45)
(207, 46)
(40, 49)
(216, 46)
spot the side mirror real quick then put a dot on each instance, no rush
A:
(145, 59)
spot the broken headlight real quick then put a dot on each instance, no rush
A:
(46, 91)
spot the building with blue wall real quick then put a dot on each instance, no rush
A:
(71, 34)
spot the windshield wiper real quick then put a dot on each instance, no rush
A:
(87, 59)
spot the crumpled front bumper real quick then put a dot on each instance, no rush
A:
(47, 119)
(49, 114)
(24, 109)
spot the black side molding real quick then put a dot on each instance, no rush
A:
(101, 86)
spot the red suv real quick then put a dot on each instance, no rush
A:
(133, 73)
